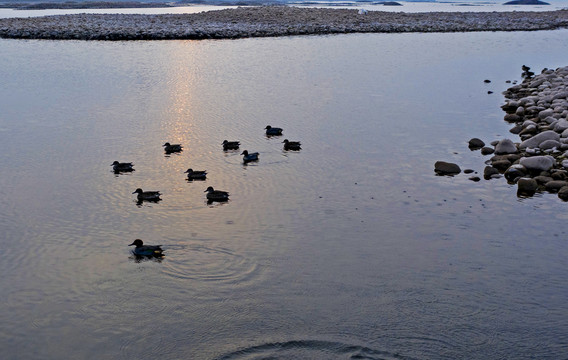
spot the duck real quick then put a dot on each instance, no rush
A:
(146, 250)
(147, 195)
(273, 130)
(231, 145)
(170, 148)
(249, 157)
(216, 195)
(122, 167)
(292, 145)
(196, 174)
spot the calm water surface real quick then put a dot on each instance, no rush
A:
(350, 248)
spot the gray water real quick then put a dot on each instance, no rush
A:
(351, 248)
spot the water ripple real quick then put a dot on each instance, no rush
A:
(312, 349)
(206, 264)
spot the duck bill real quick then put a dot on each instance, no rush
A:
(131, 244)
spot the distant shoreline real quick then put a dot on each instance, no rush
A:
(84, 5)
(270, 21)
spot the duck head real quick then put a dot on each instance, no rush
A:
(138, 191)
(245, 153)
(137, 243)
(209, 189)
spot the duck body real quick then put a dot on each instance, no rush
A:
(147, 195)
(249, 157)
(196, 175)
(292, 145)
(216, 195)
(122, 167)
(171, 148)
(272, 131)
(231, 145)
(146, 250)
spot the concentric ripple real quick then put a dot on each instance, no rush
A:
(310, 349)
(208, 264)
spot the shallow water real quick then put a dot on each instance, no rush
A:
(350, 248)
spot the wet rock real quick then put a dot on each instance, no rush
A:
(501, 165)
(563, 193)
(475, 178)
(555, 185)
(513, 173)
(526, 186)
(542, 180)
(559, 175)
(446, 168)
(512, 118)
(468, 171)
(516, 129)
(476, 143)
(490, 173)
(487, 150)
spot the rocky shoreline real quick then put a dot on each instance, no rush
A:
(266, 21)
(538, 110)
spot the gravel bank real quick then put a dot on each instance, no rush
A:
(267, 21)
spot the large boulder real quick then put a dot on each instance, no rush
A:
(535, 141)
(446, 168)
(538, 163)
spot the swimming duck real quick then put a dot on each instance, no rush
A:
(196, 175)
(146, 250)
(147, 195)
(292, 145)
(249, 157)
(216, 195)
(170, 148)
(122, 167)
(273, 130)
(230, 145)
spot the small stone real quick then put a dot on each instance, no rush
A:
(501, 165)
(446, 168)
(487, 150)
(489, 171)
(555, 185)
(476, 143)
(468, 171)
(475, 178)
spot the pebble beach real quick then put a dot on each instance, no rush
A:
(270, 21)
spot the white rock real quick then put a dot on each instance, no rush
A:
(537, 163)
(505, 146)
(539, 138)
(549, 144)
(561, 125)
